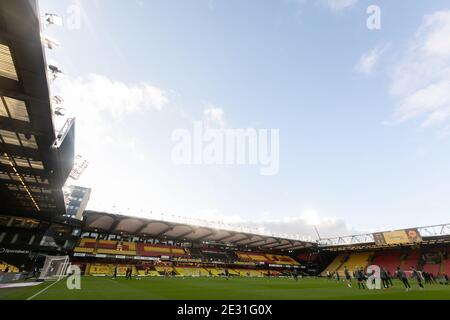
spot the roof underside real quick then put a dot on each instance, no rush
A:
(30, 169)
(117, 224)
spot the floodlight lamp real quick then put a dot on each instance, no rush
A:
(60, 111)
(57, 100)
(53, 19)
(49, 42)
(55, 71)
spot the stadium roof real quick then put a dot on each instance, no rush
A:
(117, 224)
(34, 160)
(430, 235)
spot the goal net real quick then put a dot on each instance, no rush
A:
(55, 267)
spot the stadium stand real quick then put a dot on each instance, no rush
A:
(5, 267)
(389, 260)
(250, 256)
(108, 269)
(113, 247)
(334, 265)
(411, 259)
(433, 261)
(215, 271)
(148, 273)
(190, 271)
(86, 246)
(280, 259)
(154, 250)
(99, 269)
(308, 257)
(446, 268)
(233, 272)
(250, 272)
(266, 258)
(433, 268)
(354, 261)
(212, 254)
(165, 270)
(116, 248)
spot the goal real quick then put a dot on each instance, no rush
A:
(55, 267)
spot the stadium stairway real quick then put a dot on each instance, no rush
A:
(215, 271)
(432, 262)
(355, 260)
(334, 265)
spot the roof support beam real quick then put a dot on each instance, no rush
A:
(204, 237)
(248, 243)
(160, 234)
(246, 237)
(181, 236)
(281, 245)
(265, 243)
(230, 235)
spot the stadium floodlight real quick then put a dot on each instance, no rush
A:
(59, 112)
(53, 19)
(57, 103)
(49, 42)
(55, 71)
(57, 100)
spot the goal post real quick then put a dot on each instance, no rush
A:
(55, 267)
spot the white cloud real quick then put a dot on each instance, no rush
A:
(327, 227)
(336, 5)
(99, 102)
(98, 94)
(421, 77)
(214, 117)
(102, 107)
(302, 226)
(369, 60)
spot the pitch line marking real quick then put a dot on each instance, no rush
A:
(36, 294)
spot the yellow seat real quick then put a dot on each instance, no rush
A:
(84, 250)
(356, 260)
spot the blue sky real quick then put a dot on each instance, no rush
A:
(363, 114)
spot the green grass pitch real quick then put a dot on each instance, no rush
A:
(104, 288)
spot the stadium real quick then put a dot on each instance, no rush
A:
(48, 238)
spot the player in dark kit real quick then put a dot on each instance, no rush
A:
(384, 278)
(359, 274)
(389, 278)
(348, 277)
(129, 272)
(416, 274)
(115, 272)
(337, 276)
(401, 275)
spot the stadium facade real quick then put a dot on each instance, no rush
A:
(76, 199)
(35, 162)
(35, 157)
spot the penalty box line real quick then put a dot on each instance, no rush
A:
(43, 290)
